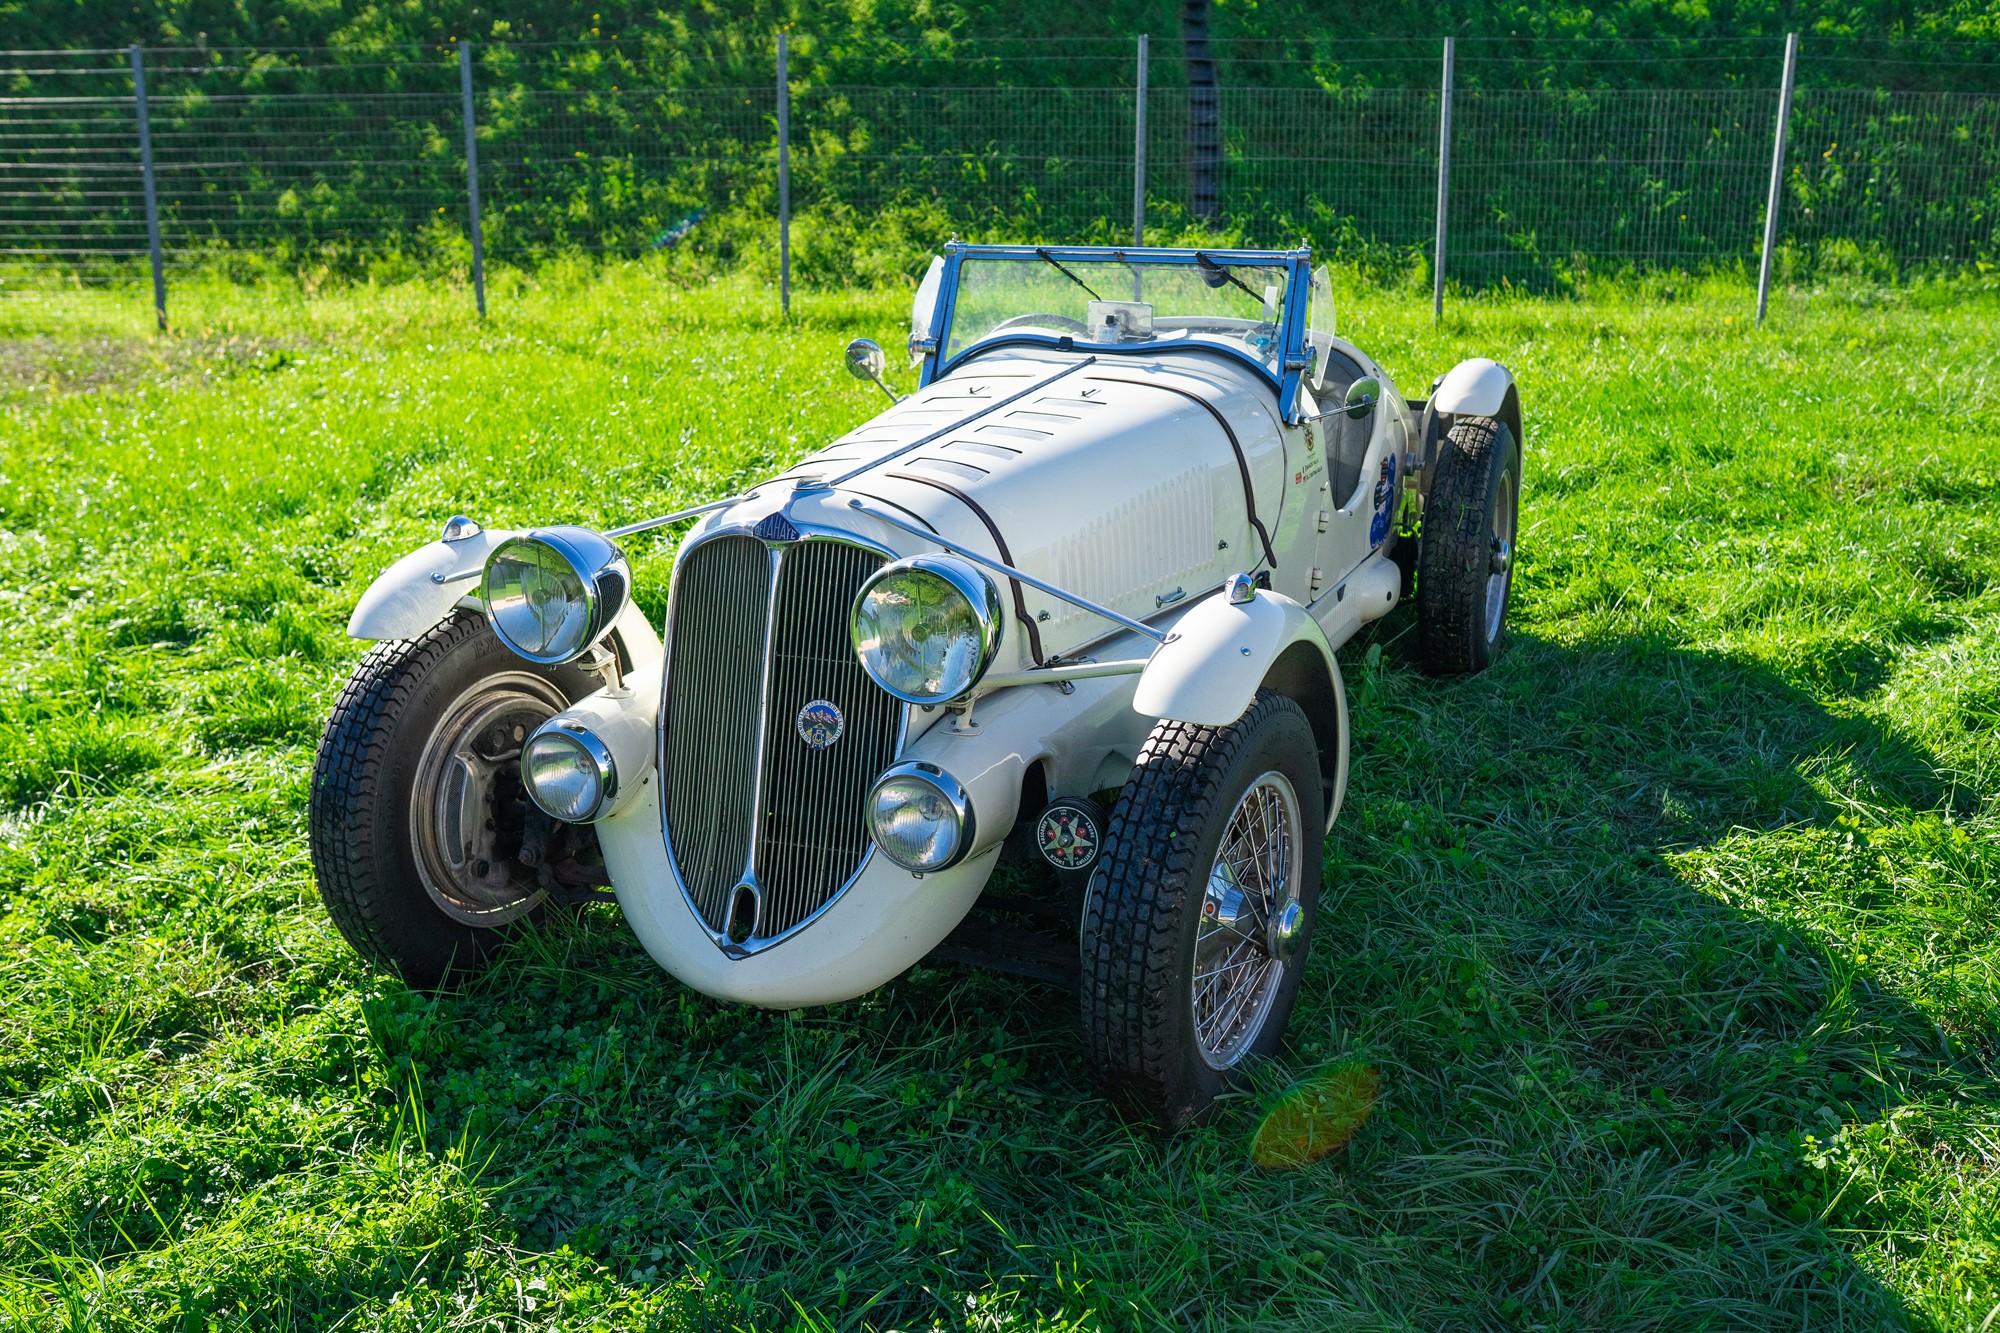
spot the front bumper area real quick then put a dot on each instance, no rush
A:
(887, 920)
(884, 921)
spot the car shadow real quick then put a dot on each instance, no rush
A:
(1598, 919)
(1609, 908)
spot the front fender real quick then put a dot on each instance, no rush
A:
(419, 590)
(1209, 669)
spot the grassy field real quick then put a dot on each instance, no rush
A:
(1671, 940)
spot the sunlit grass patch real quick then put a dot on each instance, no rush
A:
(1670, 942)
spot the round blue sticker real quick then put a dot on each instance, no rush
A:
(820, 723)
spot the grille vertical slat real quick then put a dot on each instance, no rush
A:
(715, 673)
(733, 631)
(813, 834)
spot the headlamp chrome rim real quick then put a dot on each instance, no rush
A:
(969, 582)
(954, 793)
(598, 564)
(594, 751)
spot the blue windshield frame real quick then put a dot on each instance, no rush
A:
(1295, 355)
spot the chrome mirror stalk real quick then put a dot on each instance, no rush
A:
(867, 361)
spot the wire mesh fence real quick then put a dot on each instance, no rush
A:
(617, 170)
(1562, 164)
(1040, 163)
(1567, 180)
(1892, 179)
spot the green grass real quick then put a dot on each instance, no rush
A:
(1672, 939)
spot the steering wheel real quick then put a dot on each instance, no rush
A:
(1061, 322)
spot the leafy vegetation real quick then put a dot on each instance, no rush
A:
(1668, 947)
(710, 42)
(324, 139)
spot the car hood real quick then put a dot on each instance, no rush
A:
(1140, 482)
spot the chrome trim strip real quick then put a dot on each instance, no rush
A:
(647, 525)
(1136, 626)
(1055, 675)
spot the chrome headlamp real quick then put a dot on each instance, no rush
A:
(920, 817)
(553, 592)
(926, 628)
(569, 772)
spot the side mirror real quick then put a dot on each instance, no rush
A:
(1362, 396)
(867, 361)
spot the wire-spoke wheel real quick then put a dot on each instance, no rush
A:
(1238, 964)
(1199, 917)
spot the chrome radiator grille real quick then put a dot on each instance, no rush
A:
(715, 674)
(763, 828)
(813, 833)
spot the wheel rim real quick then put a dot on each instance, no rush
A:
(1500, 567)
(1238, 967)
(467, 804)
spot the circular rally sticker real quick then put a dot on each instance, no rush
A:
(1068, 836)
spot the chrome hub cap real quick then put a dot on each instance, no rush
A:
(1251, 921)
(1499, 569)
(1288, 928)
(467, 806)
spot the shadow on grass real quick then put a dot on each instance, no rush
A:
(1578, 915)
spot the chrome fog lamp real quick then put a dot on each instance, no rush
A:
(920, 817)
(568, 772)
(553, 592)
(926, 628)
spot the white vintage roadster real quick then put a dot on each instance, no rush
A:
(1073, 604)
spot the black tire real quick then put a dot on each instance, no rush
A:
(359, 813)
(1143, 913)
(1477, 485)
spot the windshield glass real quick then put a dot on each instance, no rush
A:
(1105, 302)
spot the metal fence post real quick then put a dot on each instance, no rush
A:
(1772, 200)
(784, 179)
(472, 176)
(1444, 184)
(146, 175)
(1139, 151)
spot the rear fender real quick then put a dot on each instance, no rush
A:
(1479, 387)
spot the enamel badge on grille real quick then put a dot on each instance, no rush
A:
(820, 723)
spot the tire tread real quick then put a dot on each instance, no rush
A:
(1452, 559)
(1133, 914)
(350, 769)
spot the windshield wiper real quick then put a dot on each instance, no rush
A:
(1050, 260)
(1215, 275)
